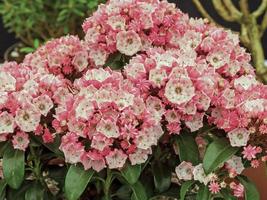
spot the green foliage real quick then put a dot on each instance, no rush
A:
(188, 150)
(13, 167)
(216, 154)
(251, 192)
(76, 181)
(30, 19)
(131, 173)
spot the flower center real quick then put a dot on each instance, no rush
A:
(178, 90)
(26, 116)
(130, 41)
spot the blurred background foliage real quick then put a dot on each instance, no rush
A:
(45, 19)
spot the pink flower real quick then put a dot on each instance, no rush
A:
(249, 152)
(128, 42)
(214, 187)
(179, 91)
(116, 159)
(6, 123)
(47, 136)
(238, 189)
(43, 103)
(184, 171)
(255, 163)
(20, 141)
(27, 118)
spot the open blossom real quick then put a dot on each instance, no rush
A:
(44, 104)
(27, 118)
(128, 42)
(20, 141)
(184, 171)
(116, 159)
(238, 137)
(8, 82)
(179, 91)
(6, 123)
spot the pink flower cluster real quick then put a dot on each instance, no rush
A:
(182, 73)
(109, 112)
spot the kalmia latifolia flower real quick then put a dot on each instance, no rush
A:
(179, 75)
(108, 112)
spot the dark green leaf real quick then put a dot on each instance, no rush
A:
(216, 154)
(162, 176)
(13, 167)
(188, 150)
(227, 194)
(35, 192)
(131, 173)
(76, 181)
(139, 192)
(18, 194)
(124, 192)
(2, 189)
(184, 188)
(203, 193)
(251, 192)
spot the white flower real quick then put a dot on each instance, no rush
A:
(157, 76)
(184, 171)
(6, 123)
(238, 137)
(7, 82)
(43, 104)
(179, 91)
(84, 109)
(116, 159)
(128, 42)
(108, 128)
(245, 82)
(236, 164)
(199, 174)
(27, 118)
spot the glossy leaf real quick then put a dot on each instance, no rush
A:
(184, 188)
(162, 176)
(76, 181)
(131, 173)
(13, 167)
(251, 192)
(188, 150)
(203, 193)
(139, 192)
(216, 154)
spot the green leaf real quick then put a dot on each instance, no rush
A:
(2, 189)
(226, 193)
(162, 176)
(203, 193)
(251, 192)
(216, 154)
(26, 50)
(184, 188)
(76, 181)
(18, 194)
(139, 192)
(188, 150)
(131, 173)
(13, 167)
(35, 192)
(124, 192)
